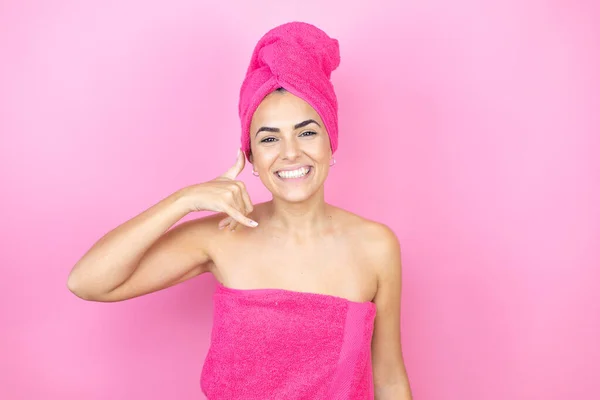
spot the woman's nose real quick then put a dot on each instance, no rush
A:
(290, 149)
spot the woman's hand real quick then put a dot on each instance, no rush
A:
(224, 194)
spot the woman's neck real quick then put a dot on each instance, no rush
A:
(308, 217)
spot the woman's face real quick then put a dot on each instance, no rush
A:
(290, 147)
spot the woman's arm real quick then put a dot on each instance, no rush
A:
(140, 256)
(389, 372)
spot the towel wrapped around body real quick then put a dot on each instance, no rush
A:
(281, 344)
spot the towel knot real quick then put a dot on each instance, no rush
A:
(285, 46)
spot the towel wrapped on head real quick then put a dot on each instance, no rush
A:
(300, 58)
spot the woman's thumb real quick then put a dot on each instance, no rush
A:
(237, 168)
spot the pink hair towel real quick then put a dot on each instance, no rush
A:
(280, 344)
(300, 58)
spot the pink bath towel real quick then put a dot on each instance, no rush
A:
(300, 58)
(279, 344)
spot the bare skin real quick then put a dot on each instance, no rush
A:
(320, 262)
(295, 242)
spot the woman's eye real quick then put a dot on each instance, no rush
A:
(271, 139)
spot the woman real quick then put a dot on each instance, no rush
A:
(307, 304)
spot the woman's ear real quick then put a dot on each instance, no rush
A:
(251, 158)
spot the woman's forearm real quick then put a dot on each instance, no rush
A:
(114, 257)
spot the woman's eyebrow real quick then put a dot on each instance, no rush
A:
(304, 123)
(297, 126)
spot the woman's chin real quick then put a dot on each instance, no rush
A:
(294, 196)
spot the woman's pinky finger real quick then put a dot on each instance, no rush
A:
(224, 222)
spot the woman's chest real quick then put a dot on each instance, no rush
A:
(337, 268)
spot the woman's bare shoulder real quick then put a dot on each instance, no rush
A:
(376, 244)
(375, 239)
(366, 228)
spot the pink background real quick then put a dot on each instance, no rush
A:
(472, 130)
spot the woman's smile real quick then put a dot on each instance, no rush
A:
(294, 174)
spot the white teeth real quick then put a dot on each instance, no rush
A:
(298, 173)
